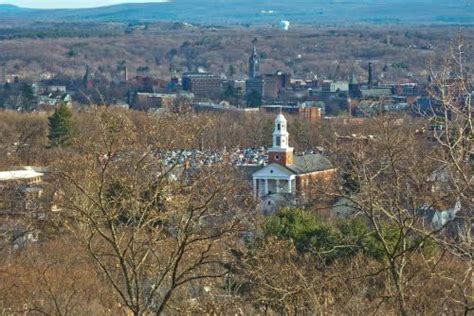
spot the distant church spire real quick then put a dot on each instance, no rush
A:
(254, 61)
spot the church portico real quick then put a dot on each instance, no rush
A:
(269, 185)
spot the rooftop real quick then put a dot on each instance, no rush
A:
(310, 163)
(157, 95)
(19, 175)
(199, 75)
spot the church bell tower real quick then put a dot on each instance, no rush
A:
(280, 152)
(254, 62)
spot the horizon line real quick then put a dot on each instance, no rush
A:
(11, 3)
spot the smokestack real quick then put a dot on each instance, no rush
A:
(125, 75)
(370, 82)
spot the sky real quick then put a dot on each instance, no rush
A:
(48, 4)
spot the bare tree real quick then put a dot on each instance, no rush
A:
(52, 278)
(388, 179)
(453, 129)
(150, 228)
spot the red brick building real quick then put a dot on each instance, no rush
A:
(309, 113)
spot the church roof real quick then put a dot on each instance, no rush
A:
(310, 163)
(301, 165)
(274, 169)
(281, 168)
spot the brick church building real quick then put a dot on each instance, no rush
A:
(287, 179)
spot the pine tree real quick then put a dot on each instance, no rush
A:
(28, 96)
(60, 126)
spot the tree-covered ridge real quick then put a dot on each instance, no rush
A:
(263, 12)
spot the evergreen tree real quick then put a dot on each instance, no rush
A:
(229, 93)
(28, 96)
(231, 70)
(60, 126)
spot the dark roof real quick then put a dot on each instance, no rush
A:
(344, 207)
(199, 75)
(376, 92)
(310, 163)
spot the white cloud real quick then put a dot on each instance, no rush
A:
(47, 4)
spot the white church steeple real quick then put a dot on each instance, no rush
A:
(280, 133)
(281, 152)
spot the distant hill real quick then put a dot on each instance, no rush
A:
(4, 8)
(224, 12)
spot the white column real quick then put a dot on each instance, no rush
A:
(255, 188)
(266, 187)
(277, 186)
(289, 186)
